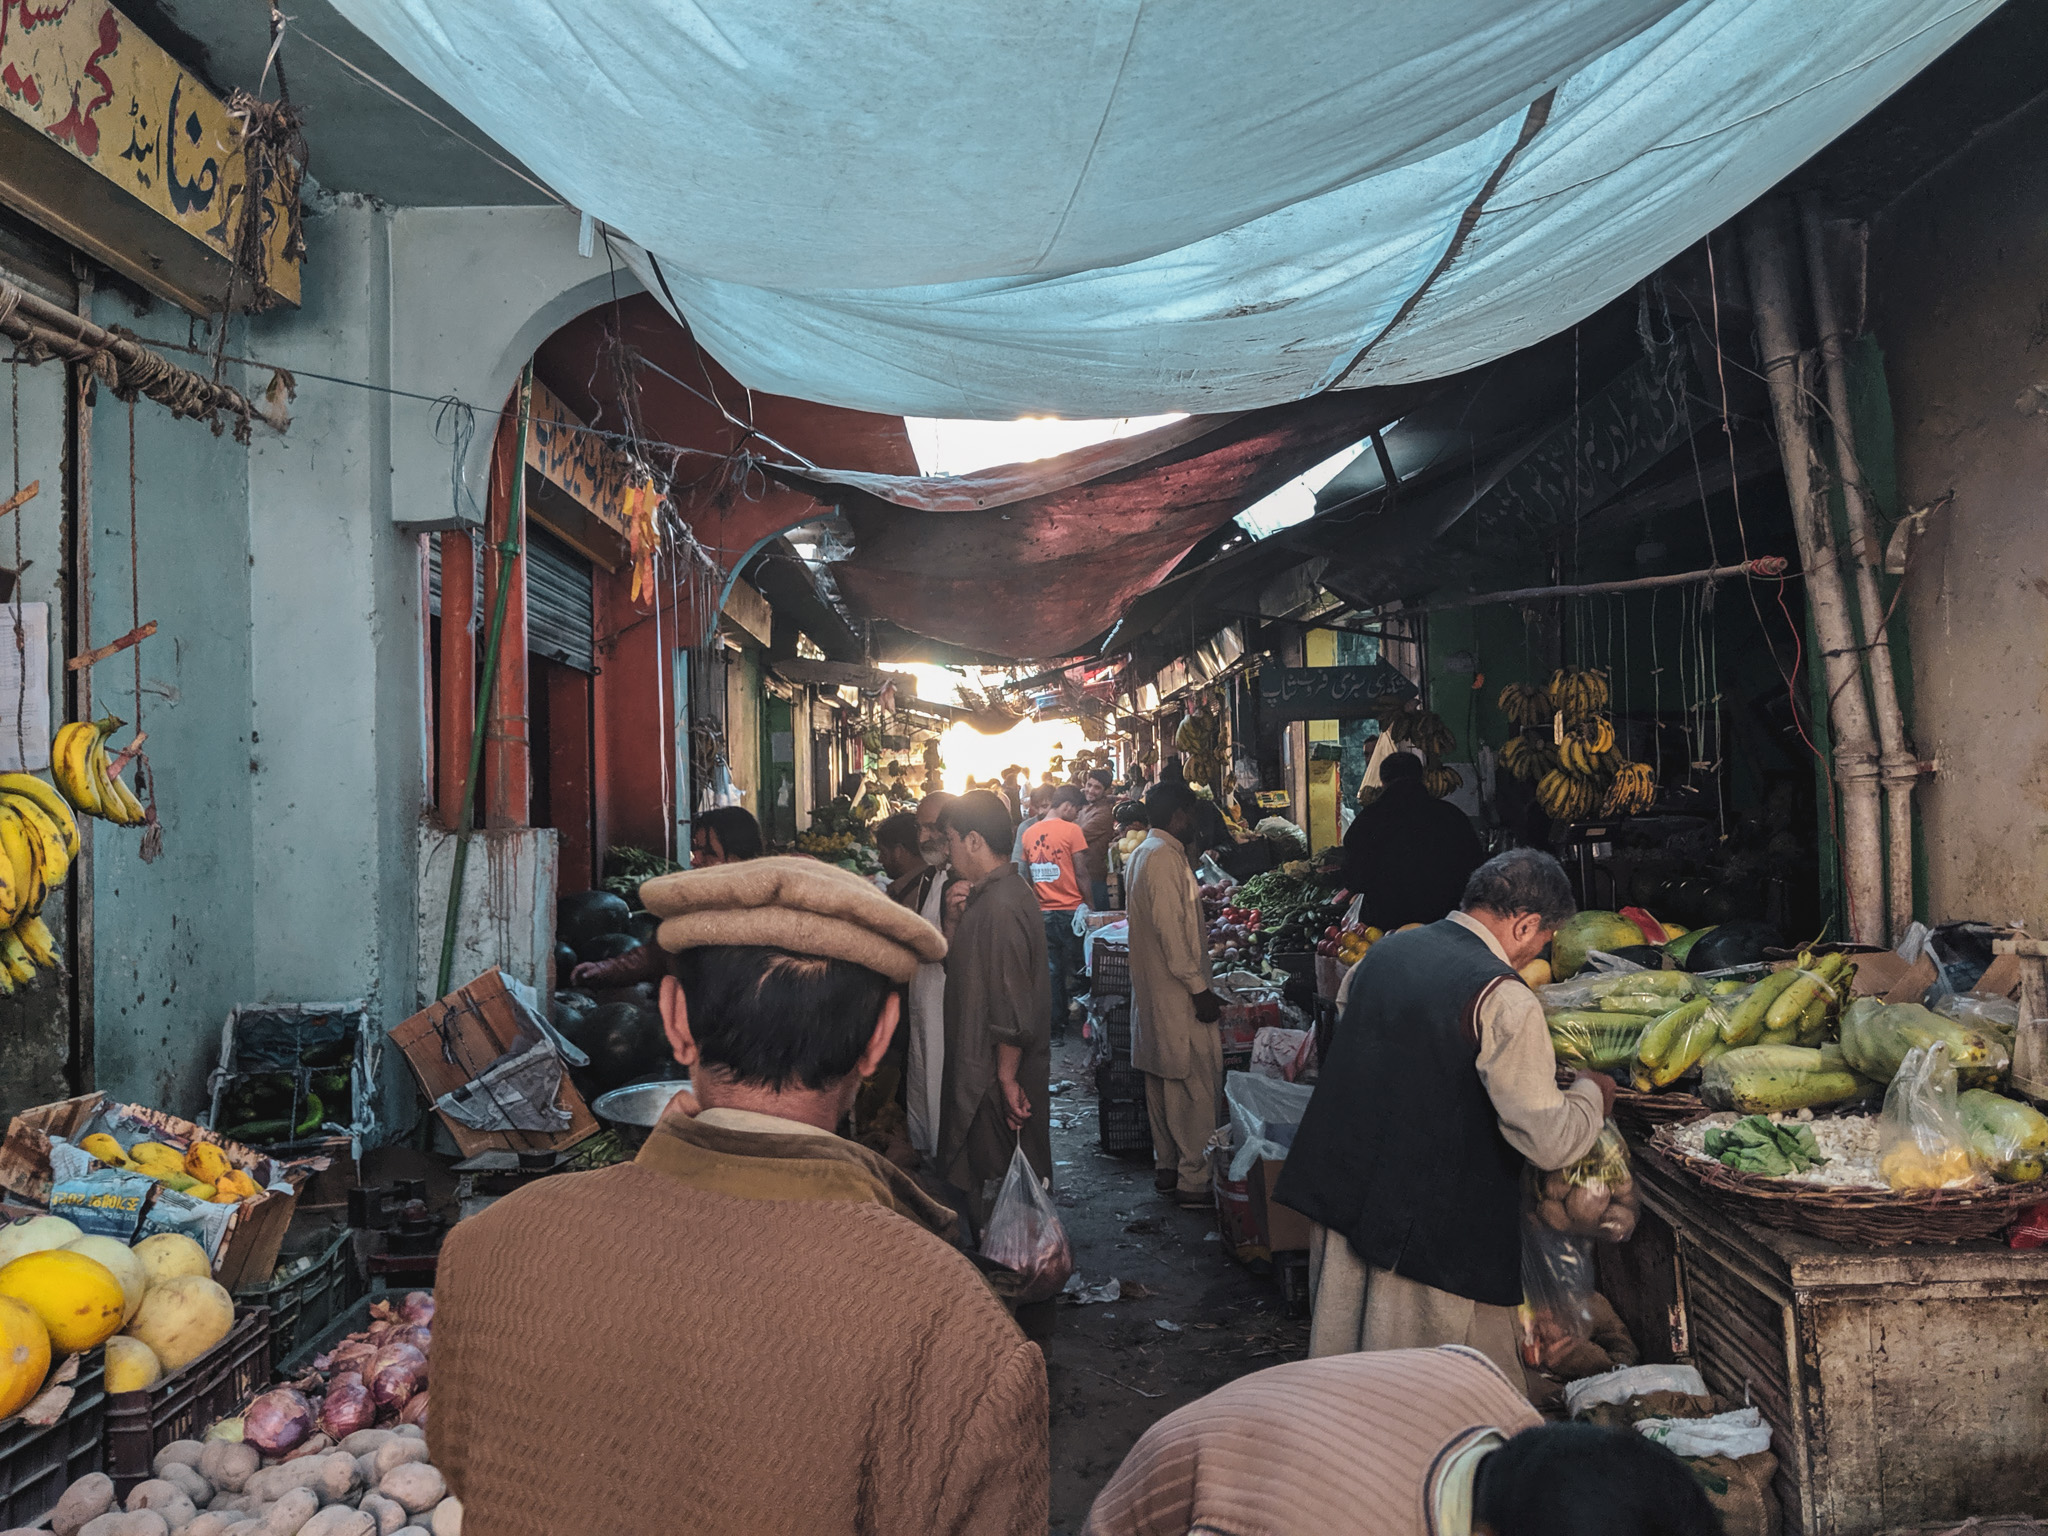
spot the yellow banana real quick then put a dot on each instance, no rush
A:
(52, 803)
(117, 802)
(131, 812)
(24, 852)
(56, 862)
(71, 765)
(40, 943)
(16, 958)
(19, 867)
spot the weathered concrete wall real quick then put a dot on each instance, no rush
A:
(36, 1022)
(173, 940)
(1959, 290)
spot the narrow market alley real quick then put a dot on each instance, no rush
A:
(1188, 1317)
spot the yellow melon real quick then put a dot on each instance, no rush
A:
(182, 1318)
(78, 1298)
(132, 1366)
(119, 1258)
(32, 1234)
(24, 1356)
(168, 1255)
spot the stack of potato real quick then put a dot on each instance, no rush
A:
(377, 1482)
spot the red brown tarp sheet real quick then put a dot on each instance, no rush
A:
(1034, 560)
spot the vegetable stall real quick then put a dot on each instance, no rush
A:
(1842, 1210)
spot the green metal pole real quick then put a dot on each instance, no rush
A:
(508, 553)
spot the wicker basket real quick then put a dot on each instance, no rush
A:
(1639, 1114)
(1862, 1218)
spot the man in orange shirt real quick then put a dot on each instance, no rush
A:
(1054, 853)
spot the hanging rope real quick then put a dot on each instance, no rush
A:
(152, 843)
(20, 629)
(111, 354)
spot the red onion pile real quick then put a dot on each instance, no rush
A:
(378, 1376)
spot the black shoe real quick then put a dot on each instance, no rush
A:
(1165, 1180)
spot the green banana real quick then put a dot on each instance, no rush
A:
(1660, 1038)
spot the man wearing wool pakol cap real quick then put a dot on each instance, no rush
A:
(755, 1325)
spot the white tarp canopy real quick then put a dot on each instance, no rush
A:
(1110, 207)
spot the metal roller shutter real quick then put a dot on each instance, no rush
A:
(560, 611)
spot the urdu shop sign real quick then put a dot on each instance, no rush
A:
(80, 86)
(1329, 693)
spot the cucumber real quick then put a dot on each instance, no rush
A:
(258, 1130)
(1746, 1021)
(1662, 1036)
(1810, 980)
(316, 1111)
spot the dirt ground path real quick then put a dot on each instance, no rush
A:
(1112, 1368)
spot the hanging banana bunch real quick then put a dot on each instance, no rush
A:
(1578, 694)
(1527, 757)
(1525, 704)
(78, 761)
(1634, 790)
(1565, 797)
(1440, 780)
(1587, 751)
(38, 840)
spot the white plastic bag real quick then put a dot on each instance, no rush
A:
(1922, 1143)
(1024, 1233)
(1737, 1434)
(1265, 1114)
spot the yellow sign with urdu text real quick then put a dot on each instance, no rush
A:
(578, 461)
(83, 76)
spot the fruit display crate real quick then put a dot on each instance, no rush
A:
(185, 1403)
(304, 1304)
(354, 1320)
(38, 1462)
(1123, 1123)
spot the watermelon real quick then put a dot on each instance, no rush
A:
(1586, 932)
(582, 915)
(1652, 930)
(1681, 946)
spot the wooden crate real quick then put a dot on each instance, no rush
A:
(451, 1041)
(255, 1232)
(1903, 1386)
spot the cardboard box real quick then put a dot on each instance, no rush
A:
(451, 1042)
(1279, 1228)
(255, 1231)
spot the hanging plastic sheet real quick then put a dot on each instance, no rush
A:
(1107, 208)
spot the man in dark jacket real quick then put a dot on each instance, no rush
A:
(1440, 1090)
(1408, 852)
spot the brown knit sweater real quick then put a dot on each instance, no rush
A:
(738, 1332)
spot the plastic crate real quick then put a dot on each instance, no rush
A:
(305, 1304)
(1123, 1123)
(1111, 969)
(353, 1320)
(185, 1403)
(38, 1463)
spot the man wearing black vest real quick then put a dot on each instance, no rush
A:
(1440, 1088)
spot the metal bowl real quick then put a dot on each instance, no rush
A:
(637, 1105)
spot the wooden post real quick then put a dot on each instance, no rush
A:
(1768, 247)
(1900, 764)
(457, 685)
(507, 768)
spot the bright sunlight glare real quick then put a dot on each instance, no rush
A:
(1294, 502)
(1032, 743)
(953, 447)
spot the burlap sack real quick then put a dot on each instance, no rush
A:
(1741, 1491)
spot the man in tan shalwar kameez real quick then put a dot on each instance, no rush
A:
(1174, 1040)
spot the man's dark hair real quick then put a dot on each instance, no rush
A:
(1164, 798)
(1130, 813)
(1102, 776)
(775, 1020)
(981, 812)
(898, 831)
(1582, 1480)
(738, 833)
(1039, 793)
(1398, 767)
(1066, 794)
(1521, 880)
